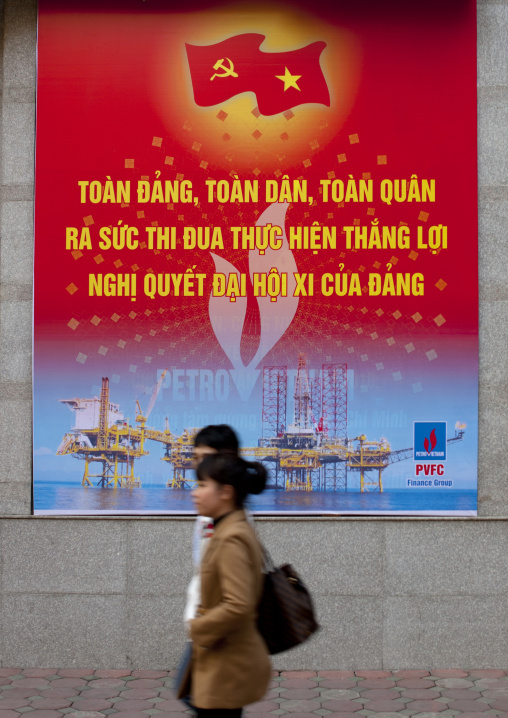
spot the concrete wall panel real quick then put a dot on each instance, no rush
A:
(445, 631)
(417, 555)
(494, 342)
(355, 551)
(492, 45)
(492, 136)
(64, 630)
(351, 635)
(20, 43)
(155, 631)
(16, 498)
(18, 147)
(17, 236)
(15, 425)
(493, 489)
(16, 341)
(493, 245)
(74, 557)
(160, 557)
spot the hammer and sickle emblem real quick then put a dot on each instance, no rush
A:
(227, 71)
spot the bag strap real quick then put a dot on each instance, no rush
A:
(269, 563)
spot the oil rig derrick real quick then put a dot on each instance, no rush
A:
(309, 453)
(275, 381)
(108, 443)
(334, 424)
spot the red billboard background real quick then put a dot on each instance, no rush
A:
(116, 102)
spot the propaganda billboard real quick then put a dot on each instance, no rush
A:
(263, 215)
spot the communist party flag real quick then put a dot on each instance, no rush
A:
(280, 80)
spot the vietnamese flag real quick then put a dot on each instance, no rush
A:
(280, 80)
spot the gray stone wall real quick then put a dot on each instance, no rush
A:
(390, 593)
(17, 118)
(493, 253)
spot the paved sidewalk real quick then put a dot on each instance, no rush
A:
(85, 693)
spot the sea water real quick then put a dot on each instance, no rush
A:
(72, 498)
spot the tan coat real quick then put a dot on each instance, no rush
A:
(230, 665)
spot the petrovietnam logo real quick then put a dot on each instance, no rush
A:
(429, 441)
(430, 445)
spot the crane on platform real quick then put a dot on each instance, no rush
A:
(142, 419)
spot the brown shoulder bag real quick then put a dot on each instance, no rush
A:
(286, 614)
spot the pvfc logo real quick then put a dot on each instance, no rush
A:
(429, 441)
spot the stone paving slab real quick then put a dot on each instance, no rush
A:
(86, 693)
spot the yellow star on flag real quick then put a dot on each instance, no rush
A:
(289, 80)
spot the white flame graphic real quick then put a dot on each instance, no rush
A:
(227, 318)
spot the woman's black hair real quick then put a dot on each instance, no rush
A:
(246, 477)
(220, 437)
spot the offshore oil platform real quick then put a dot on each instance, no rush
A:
(313, 453)
(104, 439)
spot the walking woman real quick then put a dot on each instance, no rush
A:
(230, 666)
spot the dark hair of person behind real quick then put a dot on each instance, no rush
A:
(220, 437)
(246, 477)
